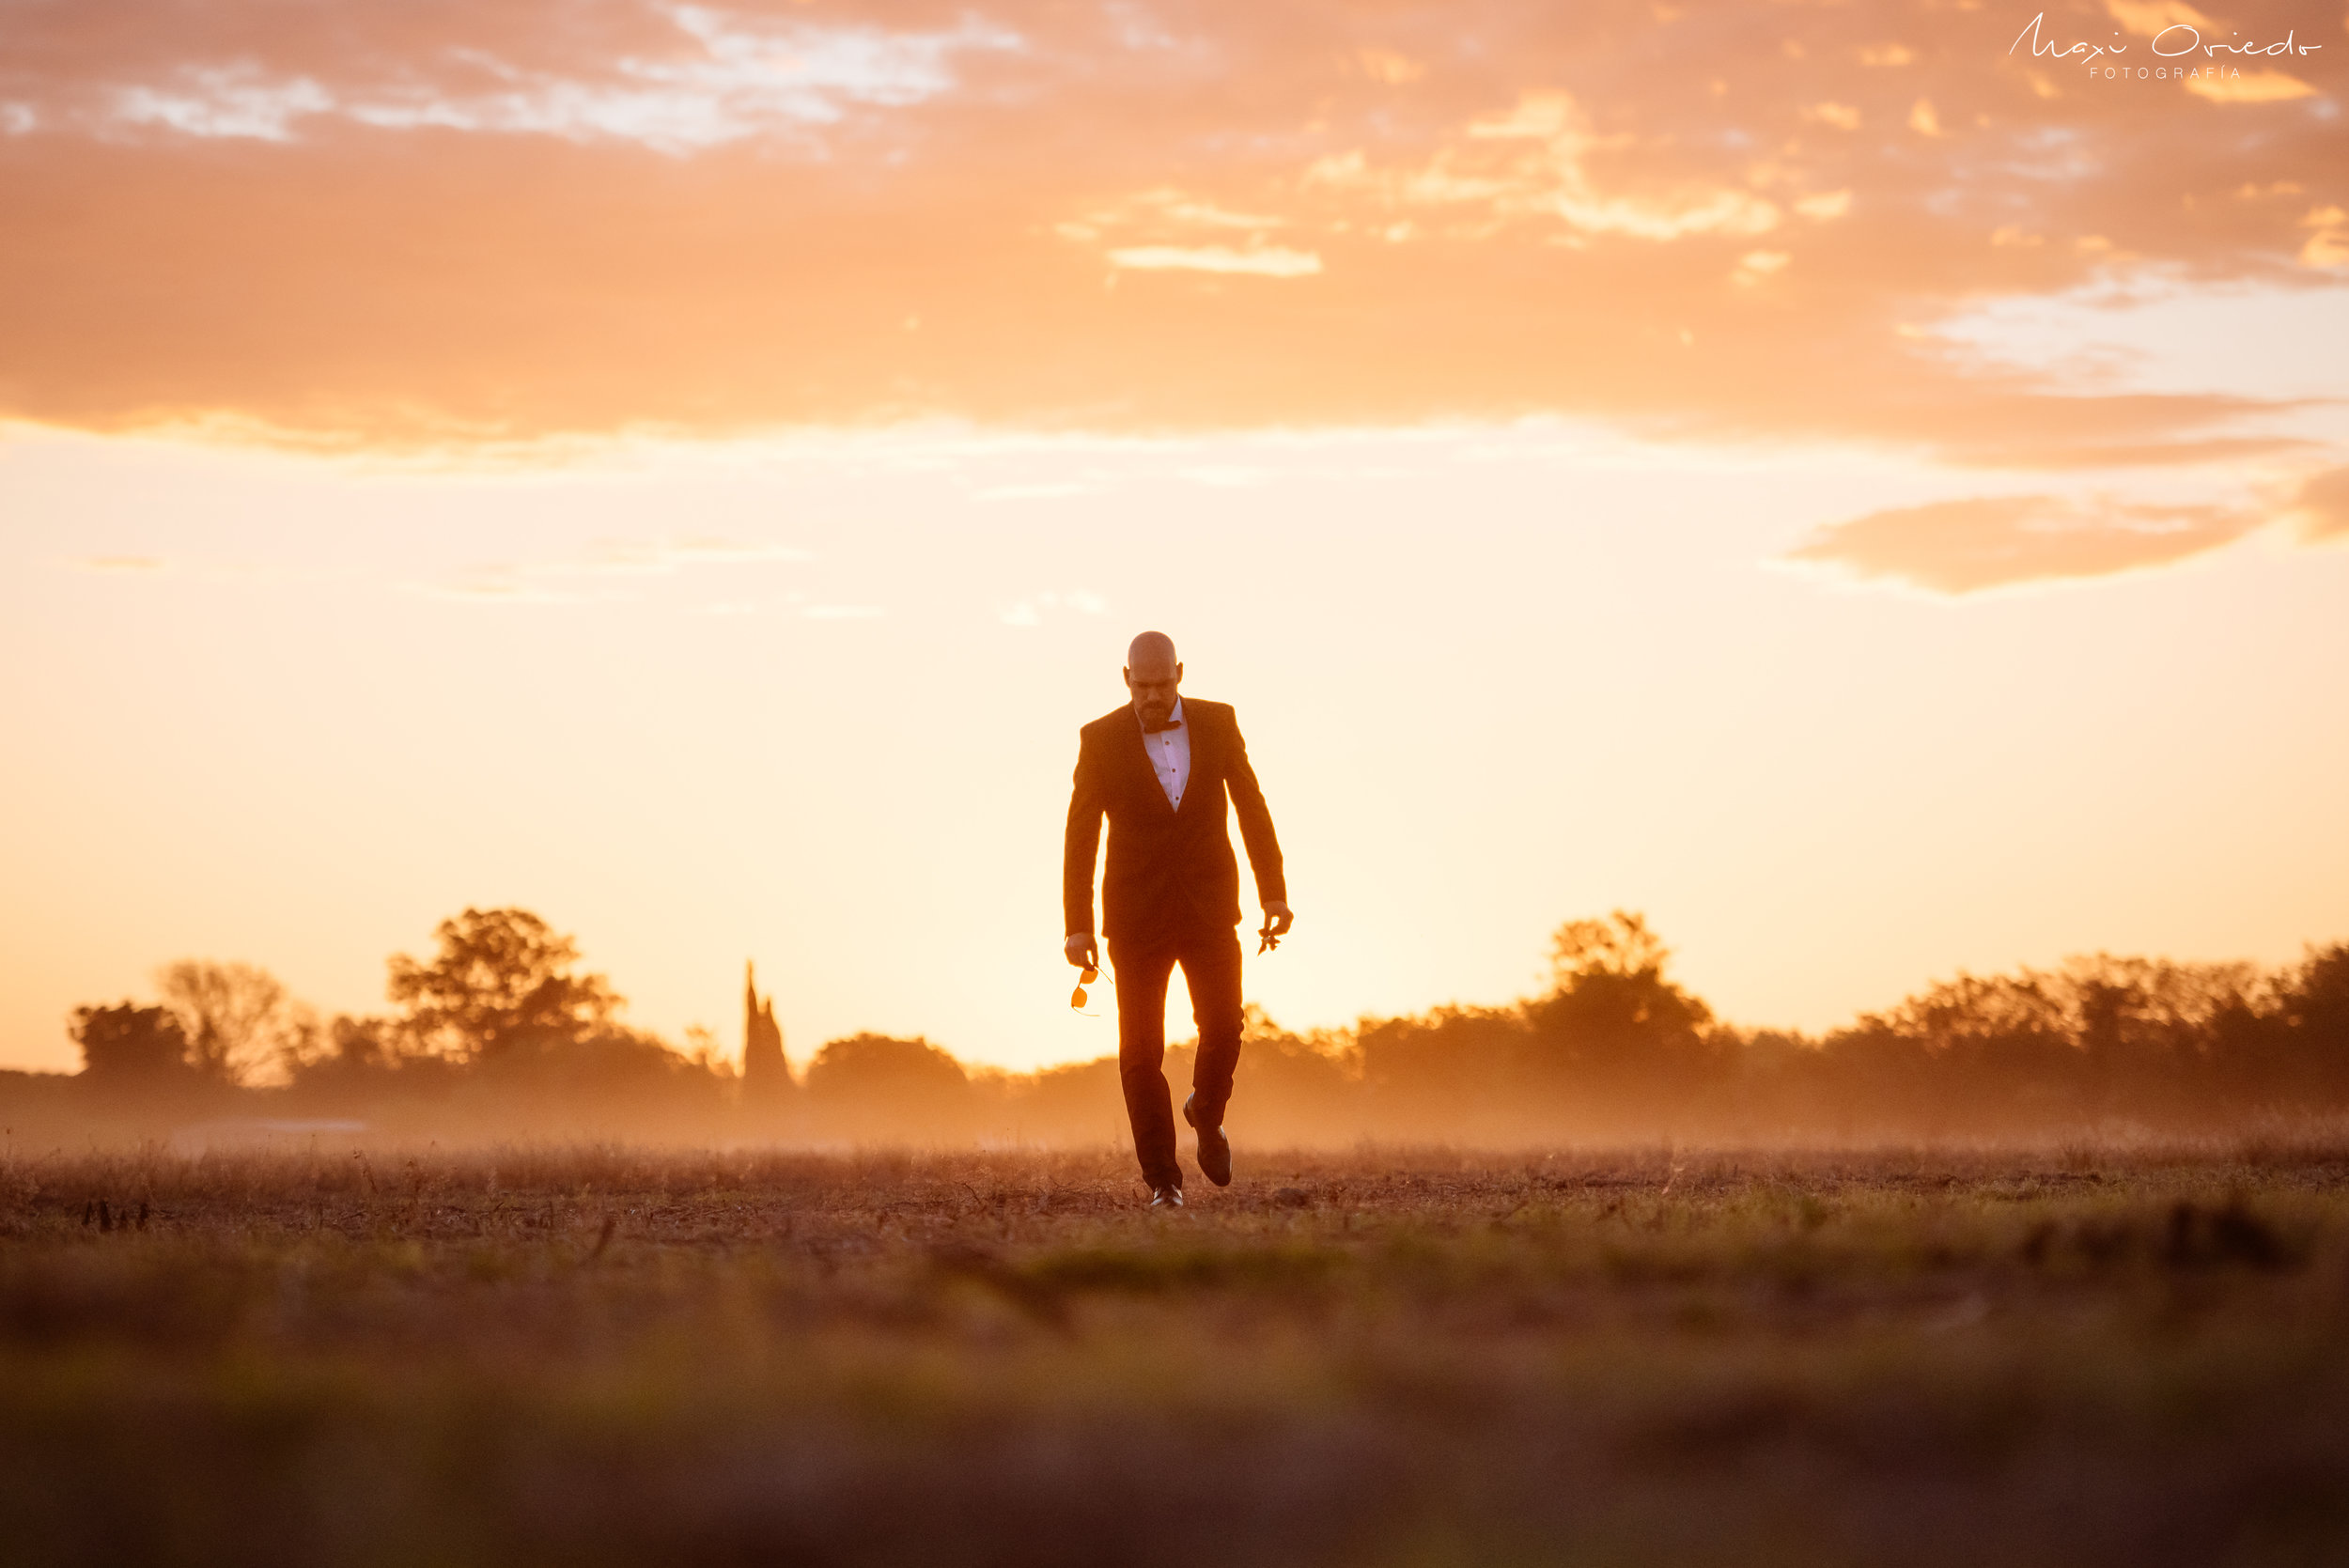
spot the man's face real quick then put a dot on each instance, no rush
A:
(1153, 683)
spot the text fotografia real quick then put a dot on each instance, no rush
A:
(2174, 42)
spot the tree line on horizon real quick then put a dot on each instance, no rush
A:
(498, 1033)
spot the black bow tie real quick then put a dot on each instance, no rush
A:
(1170, 724)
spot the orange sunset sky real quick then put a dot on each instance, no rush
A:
(1855, 481)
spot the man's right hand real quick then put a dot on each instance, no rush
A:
(1081, 950)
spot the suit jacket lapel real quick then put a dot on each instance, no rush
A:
(1198, 759)
(1139, 749)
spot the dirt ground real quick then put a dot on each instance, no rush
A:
(584, 1355)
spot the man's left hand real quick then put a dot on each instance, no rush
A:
(1277, 920)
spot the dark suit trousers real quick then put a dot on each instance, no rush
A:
(1210, 960)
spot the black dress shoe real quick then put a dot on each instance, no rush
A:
(1215, 1150)
(1166, 1197)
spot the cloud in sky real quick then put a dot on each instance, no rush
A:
(1964, 546)
(528, 582)
(647, 557)
(420, 222)
(2323, 505)
(710, 77)
(1031, 610)
(1533, 165)
(1266, 261)
(124, 564)
(502, 588)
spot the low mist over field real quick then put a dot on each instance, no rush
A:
(499, 1033)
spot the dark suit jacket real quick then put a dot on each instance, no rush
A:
(1169, 871)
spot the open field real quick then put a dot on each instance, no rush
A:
(594, 1356)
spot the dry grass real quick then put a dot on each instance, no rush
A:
(592, 1356)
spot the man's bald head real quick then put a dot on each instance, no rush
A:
(1152, 674)
(1152, 652)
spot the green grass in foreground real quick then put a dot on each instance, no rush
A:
(595, 1357)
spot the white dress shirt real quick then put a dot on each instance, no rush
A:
(1169, 754)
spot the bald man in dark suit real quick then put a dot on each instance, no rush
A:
(1163, 769)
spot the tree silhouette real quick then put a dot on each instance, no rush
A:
(128, 1045)
(876, 1073)
(502, 984)
(765, 1072)
(2316, 1025)
(1612, 1022)
(1620, 945)
(236, 1018)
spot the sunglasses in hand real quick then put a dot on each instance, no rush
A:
(1076, 997)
